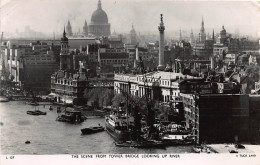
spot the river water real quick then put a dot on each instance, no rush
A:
(49, 137)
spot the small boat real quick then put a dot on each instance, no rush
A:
(172, 139)
(71, 116)
(141, 144)
(36, 113)
(197, 149)
(201, 149)
(34, 103)
(232, 151)
(92, 130)
(4, 99)
(239, 146)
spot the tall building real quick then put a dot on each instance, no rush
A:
(99, 25)
(65, 61)
(213, 37)
(85, 29)
(180, 36)
(29, 64)
(133, 36)
(161, 29)
(202, 34)
(69, 29)
(192, 41)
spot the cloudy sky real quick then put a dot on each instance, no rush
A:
(50, 16)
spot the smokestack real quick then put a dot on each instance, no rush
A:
(161, 29)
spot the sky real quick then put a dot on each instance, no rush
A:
(50, 16)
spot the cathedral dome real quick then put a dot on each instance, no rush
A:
(99, 16)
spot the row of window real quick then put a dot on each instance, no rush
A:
(65, 82)
(257, 87)
(114, 61)
(38, 59)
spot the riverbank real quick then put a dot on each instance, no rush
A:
(226, 148)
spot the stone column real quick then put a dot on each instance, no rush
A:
(161, 29)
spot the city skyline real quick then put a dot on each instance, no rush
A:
(48, 17)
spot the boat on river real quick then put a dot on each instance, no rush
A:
(91, 130)
(34, 103)
(171, 139)
(174, 134)
(71, 116)
(119, 124)
(4, 99)
(36, 113)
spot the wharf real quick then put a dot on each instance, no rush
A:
(225, 148)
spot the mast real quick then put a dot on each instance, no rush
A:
(146, 94)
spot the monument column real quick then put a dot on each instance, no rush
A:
(161, 29)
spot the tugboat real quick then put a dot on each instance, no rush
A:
(36, 113)
(92, 130)
(34, 103)
(71, 116)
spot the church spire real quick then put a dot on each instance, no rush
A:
(202, 24)
(64, 33)
(213, 36)
(99, 4)
(85, 28)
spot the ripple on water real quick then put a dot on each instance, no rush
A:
(24, 122)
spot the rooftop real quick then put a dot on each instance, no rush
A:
(163, 75)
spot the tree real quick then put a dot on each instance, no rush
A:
(117, 99)
(108, 96)
(99, 96)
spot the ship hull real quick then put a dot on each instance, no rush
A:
(117, 135)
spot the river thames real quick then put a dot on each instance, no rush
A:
(49, 137)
